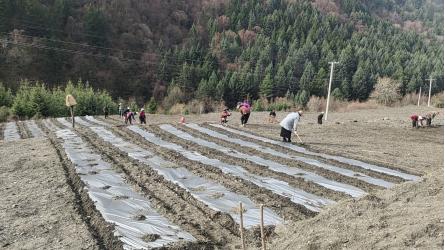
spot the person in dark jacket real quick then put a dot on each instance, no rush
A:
(106, 112)
(320, 118)
(272, 116)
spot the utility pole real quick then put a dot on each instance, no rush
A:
(329, 90)
(429, 92)
(420, 93)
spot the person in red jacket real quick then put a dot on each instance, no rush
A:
(224, 116)
(245, 113)
(415, 120)
(142, 116)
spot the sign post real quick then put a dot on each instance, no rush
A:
(71, 102)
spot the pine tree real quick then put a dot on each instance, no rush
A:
(307, 78)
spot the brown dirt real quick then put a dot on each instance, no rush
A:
(409, 215)
(175, 204)
(23, 130)
(2, 128)
(283, 206)
(38, 207)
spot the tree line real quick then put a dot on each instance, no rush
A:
(177, 51)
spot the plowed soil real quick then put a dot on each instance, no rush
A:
(43, 211)
(38, 207)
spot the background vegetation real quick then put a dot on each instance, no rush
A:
(206, 51)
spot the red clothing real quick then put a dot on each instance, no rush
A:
(414, 117)
(225, 114)
(142, 114)
(245, 109)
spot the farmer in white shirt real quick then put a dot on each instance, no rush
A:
(289, 124)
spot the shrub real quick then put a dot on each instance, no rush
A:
(4, 113)
(437, 100)
(6, 97)
(38, 101)
(386, 91)
(302, 98)
(174, 96)
(177, 109)
(316, 104)
(152, 106)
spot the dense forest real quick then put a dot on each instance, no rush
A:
(177, 51)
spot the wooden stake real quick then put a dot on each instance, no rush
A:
(263, 240)
(72, 114)
(241, 225)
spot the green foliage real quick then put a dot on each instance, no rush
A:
(4, 113)
(337, 94)
(152, 106)
(302, 98)
(5, 96)
(240, 48)
(257, 105)
(38, 100)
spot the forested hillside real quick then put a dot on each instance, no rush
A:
(177, 51)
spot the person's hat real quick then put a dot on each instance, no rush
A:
(142, 109)
(300, 112)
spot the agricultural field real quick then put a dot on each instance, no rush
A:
(364, 179)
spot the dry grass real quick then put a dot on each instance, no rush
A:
(318, 104)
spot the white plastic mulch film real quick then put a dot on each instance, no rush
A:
(302, 150)
(116, 201)
(50, 125)
(92, 119)
(298, 196)
(277, 167)
(35, 130)
(214, 195)
(11, 132)
(314, 162)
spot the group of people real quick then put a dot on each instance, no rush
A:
(417, 120)
(288, 124)
(129, 116)
(244, 108)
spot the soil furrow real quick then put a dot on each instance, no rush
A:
(385, 177)
(293, 179)
(102, 231)
(283, 206)
(253, 168)
(171, 201)
(132, 231)
(23, 130)
(349, 154)
(218, 227)
(282, 163)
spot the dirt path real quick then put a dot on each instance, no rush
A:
(38, 207)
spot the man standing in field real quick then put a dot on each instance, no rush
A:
(289, 124)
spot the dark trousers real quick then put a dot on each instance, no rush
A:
(244, 118)
(428, 121)
(286, 134)
(142, 120)
(415, 125)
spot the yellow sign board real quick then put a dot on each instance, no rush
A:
(70, 101)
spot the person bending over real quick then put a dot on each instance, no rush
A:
(289, 124)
